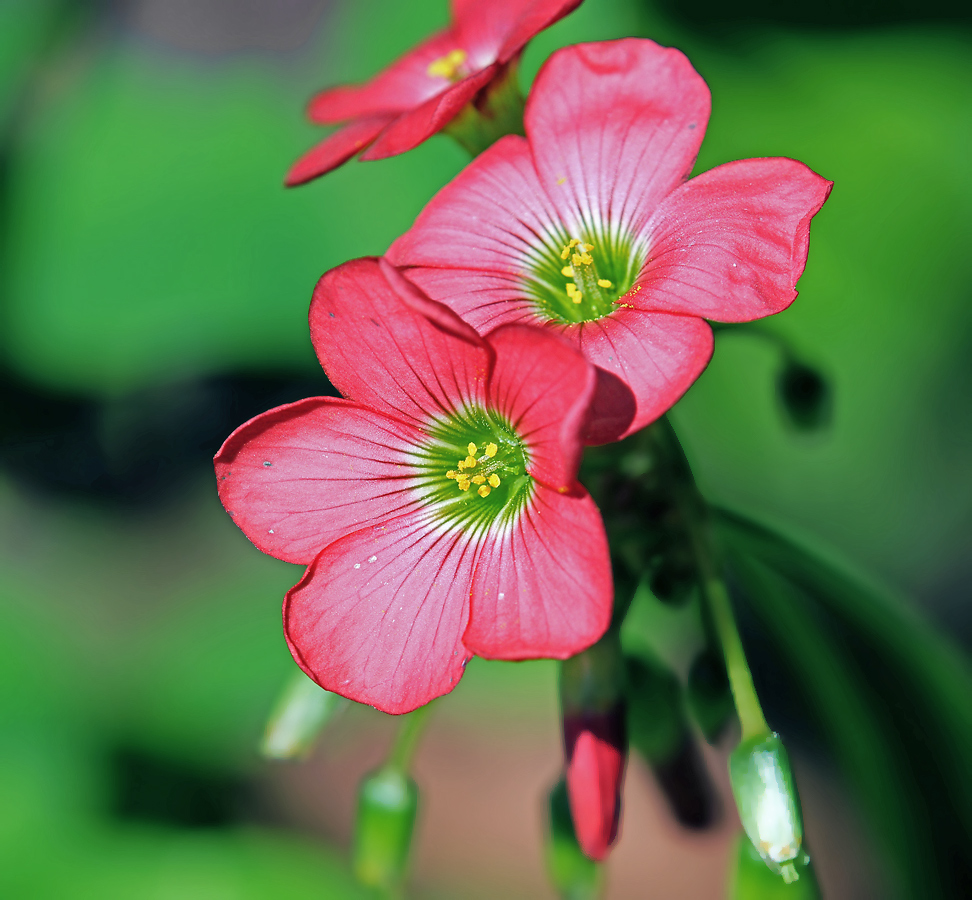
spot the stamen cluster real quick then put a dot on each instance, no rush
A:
(486, 478)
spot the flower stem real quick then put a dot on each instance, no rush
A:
(713, 587)
(406, 741)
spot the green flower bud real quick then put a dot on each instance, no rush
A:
(574, 876)
(766, 796)
(302, 711)
(387, 803)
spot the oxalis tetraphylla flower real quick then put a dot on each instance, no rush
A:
(425, 90)
(436, 507)
(589, 226)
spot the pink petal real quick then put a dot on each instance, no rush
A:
(542, 586)
(731, 243)
(416, 125)
(536, 17)
(614, 127)
(379, 351)
(298, 477)
(336, 149)
(483, 299)
(493, 218)
(379, 615)
(500, 28)
(656, 354)
(403, 85)
(595, 747)
(543, 386)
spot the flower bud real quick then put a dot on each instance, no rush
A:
(596, 750)
(659, 731)
(302, 711)
(595, 741)
(766, 796)
(387, 803)
(574, 876)
(805, 396)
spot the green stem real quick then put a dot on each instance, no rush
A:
(716, 596)
(406, 741)
(750, 713)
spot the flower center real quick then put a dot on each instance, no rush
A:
(451, 66)
(474, 469)
(581, 279)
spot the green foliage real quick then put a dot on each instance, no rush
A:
(890, 697)
(574, 876)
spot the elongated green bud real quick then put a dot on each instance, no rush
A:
(752, 880)
(387, 804)
(574, 876)
(302, 711)
(765, 792)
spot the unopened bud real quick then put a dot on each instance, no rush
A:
(302, 711)
(387, 804)
(805, 396)
(595, 747)
(574, 876)
(595, 742)
(765, 792)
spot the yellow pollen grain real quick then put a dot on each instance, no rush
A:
(586, 247)
(574, 294)
(463, 485)
(479, 479)
(604, 283)
(470, 462)
(582, 259)
(494, 480)
(452, 474)
(447, 66)
(483, 491)
(568, 271)
(471, 448)
(491, 449)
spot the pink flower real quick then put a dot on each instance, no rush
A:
(589, 226)
(595, 746)
(429, 86)
(437, 507)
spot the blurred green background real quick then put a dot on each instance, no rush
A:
(154, 282)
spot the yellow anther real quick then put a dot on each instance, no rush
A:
(469, 462)
(479, 479)
(494, 480)
(603, 282)
(491, 449)
(582, 259)
(452, 475)
(471, 448)
(586, 247)
(565, 253)
(483, 491)
(463, 485)
(573, 293)
(447, 66)
(567, 271)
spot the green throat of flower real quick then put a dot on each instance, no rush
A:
(581, 279)
(474, 470)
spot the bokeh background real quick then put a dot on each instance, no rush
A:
(154, 283)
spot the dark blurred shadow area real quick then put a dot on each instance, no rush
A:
(154, 284)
